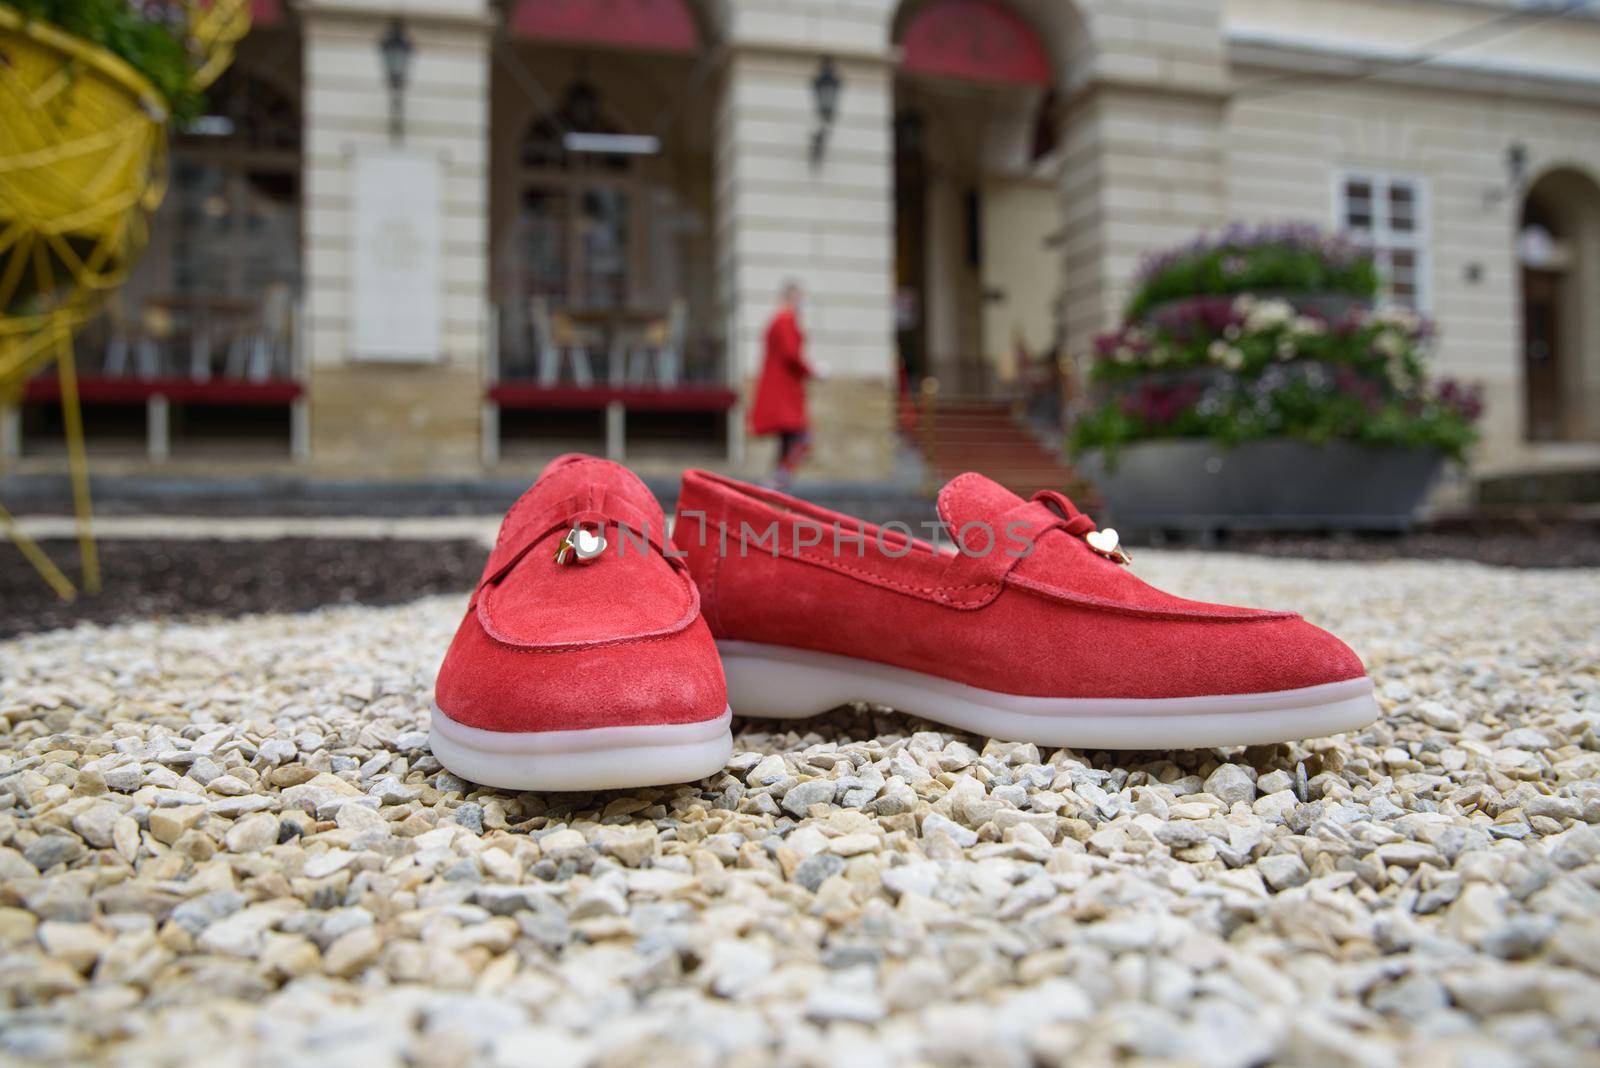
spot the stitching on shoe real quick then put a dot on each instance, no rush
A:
(943, 593)
(681, 626)
(714, 606)
(527, 494)
(481, 608)
(512, 647)
(1040, 589)
(953, 595)
(945, 494)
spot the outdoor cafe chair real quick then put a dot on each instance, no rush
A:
(253, 354)
(662, 339)
(135, 343)
(555, 336)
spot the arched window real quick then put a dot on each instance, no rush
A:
(544, 145)
(246, 112)
(578, 239)
(1558, 246)
(231, 222)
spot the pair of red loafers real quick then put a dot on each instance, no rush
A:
(598, 652)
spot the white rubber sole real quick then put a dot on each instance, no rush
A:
(780, 682)
(600, 758)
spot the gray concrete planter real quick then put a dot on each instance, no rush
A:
(1277, 485)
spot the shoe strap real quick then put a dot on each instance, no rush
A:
(1012, 537)
(594, 509)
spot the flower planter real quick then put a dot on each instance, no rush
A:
(1329, 307)
(1279, 484)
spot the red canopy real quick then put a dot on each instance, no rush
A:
(974, 41)
(658, 25)
(266, 12)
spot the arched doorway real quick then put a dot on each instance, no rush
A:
(1558, 247)
(976, 191)
(578, 236)
(601, 228)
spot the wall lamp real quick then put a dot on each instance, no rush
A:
(1517, 164)
(1516, 160)
(825, 89)
(395, 49)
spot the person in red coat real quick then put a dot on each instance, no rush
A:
(780, 402)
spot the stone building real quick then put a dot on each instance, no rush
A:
(439, 238)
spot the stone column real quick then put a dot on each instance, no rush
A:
(370, 416)
(1144, 158)
(829, 224)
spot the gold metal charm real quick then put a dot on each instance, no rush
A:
(580, 546)
(1105, 543)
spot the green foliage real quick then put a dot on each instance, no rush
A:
(1277, 259)
(1220, 343)
(1304, 400)
(1302, 407)
(154, 50)
(1246, 336)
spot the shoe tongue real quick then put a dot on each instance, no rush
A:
(973, 498)
(573, 474)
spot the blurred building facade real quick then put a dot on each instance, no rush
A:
(438, 238)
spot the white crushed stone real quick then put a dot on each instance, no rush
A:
(226, 843)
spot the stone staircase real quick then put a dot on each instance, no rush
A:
(967, 434)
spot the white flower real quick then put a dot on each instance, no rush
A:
(1398, 316)
(1231, 331)
(1306, 326)
(1233, 358)
(1268, 314)
(1389, 343)
(1286, 350)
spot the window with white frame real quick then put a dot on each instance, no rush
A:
(1386, 212)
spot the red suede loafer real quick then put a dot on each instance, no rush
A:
(1035, 630)
(583, 662)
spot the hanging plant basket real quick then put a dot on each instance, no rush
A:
(81, 154)
(82, 161)
(82, 165)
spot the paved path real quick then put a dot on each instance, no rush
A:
(227, 844)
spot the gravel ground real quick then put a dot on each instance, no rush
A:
(226, 844)
(1503, 543)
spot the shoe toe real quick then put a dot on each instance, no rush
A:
(1285, 654)
(676, 679)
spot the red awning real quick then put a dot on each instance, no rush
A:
(94, 389)
(524, 395)
(266, 12)
(657, 25)
(974, 41)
